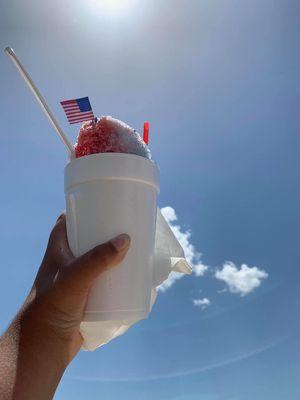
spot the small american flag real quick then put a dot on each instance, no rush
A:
(78, 110)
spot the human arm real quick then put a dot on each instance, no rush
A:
(44, 336)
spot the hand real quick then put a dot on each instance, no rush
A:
(63, 282)
(47, 326)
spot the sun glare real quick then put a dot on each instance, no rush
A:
(114, 7)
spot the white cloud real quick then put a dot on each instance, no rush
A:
(243, 280)
(172, 278)
(193, 257)
(169, 214)
(203, 303)
(199, 269)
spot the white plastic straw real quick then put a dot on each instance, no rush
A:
(42, 102)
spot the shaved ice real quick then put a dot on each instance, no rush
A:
(109, 135)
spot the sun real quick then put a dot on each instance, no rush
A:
(114, 7)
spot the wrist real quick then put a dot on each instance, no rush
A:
(38, 336)
(41, 358)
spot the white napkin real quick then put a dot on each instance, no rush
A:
(168, 257)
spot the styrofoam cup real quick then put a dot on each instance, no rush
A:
(108, 194)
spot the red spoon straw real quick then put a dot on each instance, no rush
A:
(146, 132)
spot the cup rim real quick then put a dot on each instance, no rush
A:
(111, 154)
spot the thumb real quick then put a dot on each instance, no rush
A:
(73, 285)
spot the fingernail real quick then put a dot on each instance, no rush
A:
(60, 217)
(120, 242)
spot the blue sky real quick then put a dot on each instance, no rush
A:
(219, 82)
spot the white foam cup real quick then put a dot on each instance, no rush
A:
(108, 194)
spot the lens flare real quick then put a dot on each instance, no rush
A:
(114, 7)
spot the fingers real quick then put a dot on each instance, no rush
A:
(73, 286)
(58, 255)
(58, 246)
(87, 267)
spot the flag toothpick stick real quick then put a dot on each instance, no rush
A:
(42, 102)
